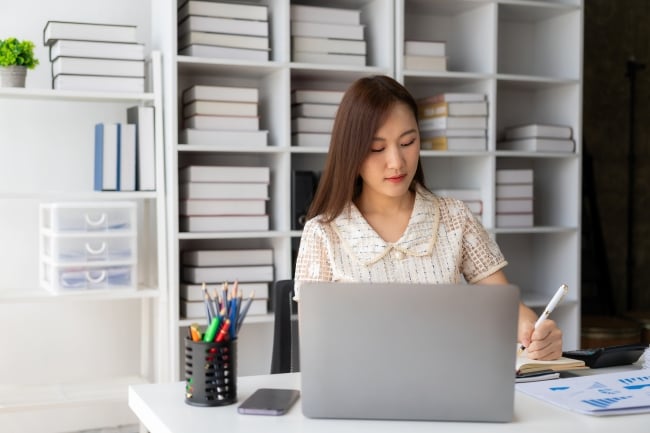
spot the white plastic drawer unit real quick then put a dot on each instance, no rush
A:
(88, 216)
(58, 277)
(88, 245)
(88, 248)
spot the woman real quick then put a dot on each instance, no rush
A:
(372, 219)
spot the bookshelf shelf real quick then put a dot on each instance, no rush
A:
(447, 76)
(540, 300)
(534, 82)
(452, 154)
(89, 195)
(340, 70)
(535, 155)
(40, 295)
(533, 11)
(536, 229)
(28, 397)
(236, 149)
(314, 72)
(198, 65)
(252, 319)
(308, 150)
(69, 95)
(231, 235)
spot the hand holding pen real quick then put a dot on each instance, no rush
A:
(555, 300)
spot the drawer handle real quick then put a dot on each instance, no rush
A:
(96, 251)
(101, 276)
(99, 221)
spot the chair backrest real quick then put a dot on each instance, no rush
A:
(284, 357)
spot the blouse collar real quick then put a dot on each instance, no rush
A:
(364, 243)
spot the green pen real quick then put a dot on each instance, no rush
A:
(211, 332)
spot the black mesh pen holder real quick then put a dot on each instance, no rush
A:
(210, 373)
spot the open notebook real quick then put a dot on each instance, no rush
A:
(525, 366)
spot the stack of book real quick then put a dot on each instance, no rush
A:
(535, 137)
(251, 268)
(223, 199)
(222, 115)
(425, 56)
(312, 116)
(514, 198)
(471, 197)
(453, 121)
(125, 153)
(327, 35)
(95, 57)
(223, 30)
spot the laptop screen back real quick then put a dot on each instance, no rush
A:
(408, 351)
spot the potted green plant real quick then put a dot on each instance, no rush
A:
(15, 58)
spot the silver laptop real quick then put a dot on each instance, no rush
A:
(408, 351)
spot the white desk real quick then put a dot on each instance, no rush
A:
(162, 409)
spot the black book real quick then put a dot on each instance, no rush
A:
(303, 186)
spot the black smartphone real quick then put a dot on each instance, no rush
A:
(269, 401)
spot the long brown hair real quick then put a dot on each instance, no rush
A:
(363, 109)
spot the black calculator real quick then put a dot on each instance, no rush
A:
(608, 356)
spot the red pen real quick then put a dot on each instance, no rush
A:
(223, 332)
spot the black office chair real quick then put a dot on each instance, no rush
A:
(285, 333)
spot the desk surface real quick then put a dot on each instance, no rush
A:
(162, 409)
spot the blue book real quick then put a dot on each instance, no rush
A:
(106, 157)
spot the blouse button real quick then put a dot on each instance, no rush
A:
(399, 255)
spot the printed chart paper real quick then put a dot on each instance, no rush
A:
(604, 394)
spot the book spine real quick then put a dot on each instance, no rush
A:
(99, 159)
(119, 157)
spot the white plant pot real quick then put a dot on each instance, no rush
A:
(13, 76)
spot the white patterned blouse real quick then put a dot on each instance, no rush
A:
(442, 242)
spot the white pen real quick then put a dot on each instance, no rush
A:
(551, 306)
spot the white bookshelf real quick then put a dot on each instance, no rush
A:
(70, 357)
(526, 56)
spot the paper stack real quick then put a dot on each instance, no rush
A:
(327, 35)
(251, 268)
(223, 30)
(222, 115)
(535, 137)
(514, 198)
(223, 198)
(453, 121)
(312, 116)
(425, 56)
(95, 57)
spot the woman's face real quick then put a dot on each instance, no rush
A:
(390, 166)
